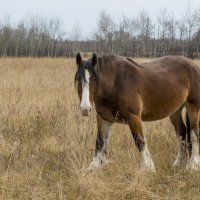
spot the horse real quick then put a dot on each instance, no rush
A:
(124, 91)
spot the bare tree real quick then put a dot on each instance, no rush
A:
(163, 19)
(105, 31)
(191, 26)
(145, 28)
(140, 36)
(75, 36)
(123, 36)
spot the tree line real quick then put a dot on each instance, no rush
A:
(140, 36)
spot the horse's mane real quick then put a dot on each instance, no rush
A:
(99, 64)
(101, 59)
(133, 62)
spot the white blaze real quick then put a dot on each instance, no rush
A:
(85, 102)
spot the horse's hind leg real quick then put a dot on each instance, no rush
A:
(180, 129)
(99, 160)
(135, 125)
(193, 114)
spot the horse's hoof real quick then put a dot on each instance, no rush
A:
(98, 164)
(148, 168)
(194, 164)
(176, 163)
(179, 162)
(91, 169)
(94, 166)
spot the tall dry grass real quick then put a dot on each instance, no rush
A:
(45, 145)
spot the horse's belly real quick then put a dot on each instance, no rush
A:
(153, 116)
(163, 103)
(161, 111)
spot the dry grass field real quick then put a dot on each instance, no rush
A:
(46, 145)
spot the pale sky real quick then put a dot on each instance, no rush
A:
(85, 12)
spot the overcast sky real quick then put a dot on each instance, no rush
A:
(85, 12)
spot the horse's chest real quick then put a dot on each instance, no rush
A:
(109, 113)
(106, 112)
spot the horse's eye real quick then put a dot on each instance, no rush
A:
(93, 78)
(78, 78)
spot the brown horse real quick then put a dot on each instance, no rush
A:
(126, 92)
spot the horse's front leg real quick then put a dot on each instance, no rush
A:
(135, 125)
(99, 160)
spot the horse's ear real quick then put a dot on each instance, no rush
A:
(94, 59)
(78, 59)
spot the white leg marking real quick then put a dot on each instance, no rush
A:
(85, 102)
(194, 162)
(181, 156)
(99, 161)
(146, 161)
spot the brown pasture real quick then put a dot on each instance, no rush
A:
(46, 145)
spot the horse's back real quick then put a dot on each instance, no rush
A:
(184, 70)
(169, 82)
(172, 63)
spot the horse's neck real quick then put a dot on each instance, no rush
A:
(106, 83)
(110, 75)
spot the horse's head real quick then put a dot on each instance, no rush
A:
(86, 78)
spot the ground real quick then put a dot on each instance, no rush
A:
(46, 145)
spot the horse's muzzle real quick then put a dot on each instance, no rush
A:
(85, 111)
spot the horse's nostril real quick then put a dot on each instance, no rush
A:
(84, 113)
(85, 110)
(88, 108)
